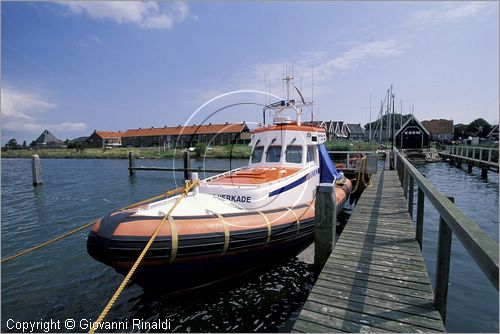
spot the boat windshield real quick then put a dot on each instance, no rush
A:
(257, 154)
(273, 154)
(293, 154)
(310, 153)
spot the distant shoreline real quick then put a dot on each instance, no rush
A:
(122, 153)
(239, 151)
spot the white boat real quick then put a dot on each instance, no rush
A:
(233, 221)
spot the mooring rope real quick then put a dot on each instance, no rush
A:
(118, 291)
(51, 241)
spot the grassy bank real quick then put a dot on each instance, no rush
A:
(219, 152)
(237, 151)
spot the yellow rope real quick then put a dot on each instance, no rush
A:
(8, 258)
(11, 257)
(361, 173)
(139, 259)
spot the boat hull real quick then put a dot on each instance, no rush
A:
(193, 251)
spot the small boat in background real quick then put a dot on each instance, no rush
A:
(432, 156)
(232, 222)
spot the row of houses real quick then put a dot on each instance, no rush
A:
(341, 130)
(223, 134)
(173, 136)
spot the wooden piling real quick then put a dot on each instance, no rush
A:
(324, 226)
(469, 168)
(484, 172)
(410, 196)
(36, 170)
(443, 266)
(420, 217)
(186, 164)
(131, 163)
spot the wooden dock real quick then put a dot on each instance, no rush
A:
(375, 279)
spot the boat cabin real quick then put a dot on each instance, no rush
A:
(286, 145)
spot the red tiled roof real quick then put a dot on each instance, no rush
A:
(109, 134)
(188, 130)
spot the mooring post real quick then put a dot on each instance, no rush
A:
(131, 163)
(36, 170)
(484, 172)
(469, 167)
(186, 164)
(443, 266)
(324, 225)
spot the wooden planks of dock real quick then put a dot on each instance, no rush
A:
(375, 280)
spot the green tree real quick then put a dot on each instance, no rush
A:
(24, 144)
(11, 144)
(200, 149)
(33, 143)
(460, 131)
(479, 127)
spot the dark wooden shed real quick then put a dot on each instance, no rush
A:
(412, 135)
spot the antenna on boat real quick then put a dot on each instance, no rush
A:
(312, 91)
(265, 100)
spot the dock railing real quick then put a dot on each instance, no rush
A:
(483, 249)
(484, 156)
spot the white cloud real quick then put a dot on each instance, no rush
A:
(451, 12)
(20, 110)
(325, 65)
(354, 56)
(148, 15)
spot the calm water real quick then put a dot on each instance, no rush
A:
(62, 281)
(472, 300)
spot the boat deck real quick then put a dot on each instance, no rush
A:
(255, 176)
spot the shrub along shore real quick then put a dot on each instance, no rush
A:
(219, 152)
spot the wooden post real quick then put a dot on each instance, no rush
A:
(489, 155)
(410, 196)
(484, 172)
(443, 266)
(186, 164)
(36, 170)
(481, 154)
(131, 163)
(324, 225)
(459, 163)
(405, 182)
(420, 217)
(469, 167)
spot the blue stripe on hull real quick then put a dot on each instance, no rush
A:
(294, 184)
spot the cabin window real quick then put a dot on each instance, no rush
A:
(257, 154)
(310, 153)
(273, 154)
(293, 154)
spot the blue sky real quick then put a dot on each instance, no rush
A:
(73, 67)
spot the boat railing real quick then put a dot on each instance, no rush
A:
(482, 248)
